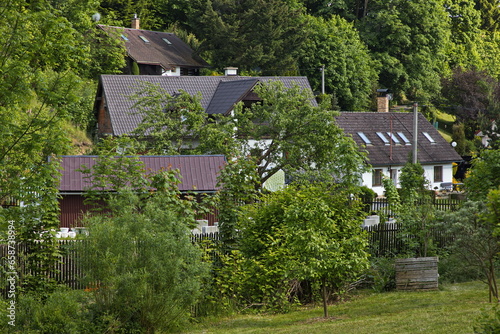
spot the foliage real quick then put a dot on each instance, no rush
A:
(300, 233)
(475, 241)
(350, 72)
(409, 39)
(64, 311)
(144, 270)
(484, 175)
(414, 210)
(238, 183)
(301, 139)
(254, 35)
(471, 95)
(382, 274)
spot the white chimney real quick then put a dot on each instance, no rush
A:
(230, 71)
(135, 22)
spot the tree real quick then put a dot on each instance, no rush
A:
(490, 14)
(409, 40)
(308, 232)
(350, 72)
(285, 131)
(484, 175)
(471, 95)
(475, 227)
(255, 35)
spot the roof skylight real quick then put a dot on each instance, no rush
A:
(124, 37)
(428, 136)
(365, 138)
(167, 41)
(384, 139)
(144, 39)
(393, 136)
(402, 136)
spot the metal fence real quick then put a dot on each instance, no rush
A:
(382, 205)
(384, 240)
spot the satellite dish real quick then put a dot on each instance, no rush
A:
(96, 17)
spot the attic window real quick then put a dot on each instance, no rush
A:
(393, 136)
(428, 136)
(384, 139)
(402, 136)
(144, 39)
(365, 138)
(167, 41)
(124, 37)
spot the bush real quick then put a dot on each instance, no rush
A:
(63, 311)
(489, 322)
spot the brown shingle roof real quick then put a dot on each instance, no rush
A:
(380, 154)
(116, 90)
(156, 50)
(199, 172)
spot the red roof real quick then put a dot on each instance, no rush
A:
(199, 172)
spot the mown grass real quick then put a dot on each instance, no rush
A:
(453, 309)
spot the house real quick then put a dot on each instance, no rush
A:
(156, 53)
(114, 109)
(198, 175)
(389, 140)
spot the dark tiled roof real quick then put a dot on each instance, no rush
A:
(228, 93)
(396, 154)
(116, 90)
(157, 50)
(199, 172)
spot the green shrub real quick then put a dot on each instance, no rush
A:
(488, 322)
(382, 274)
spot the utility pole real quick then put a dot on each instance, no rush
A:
(322, 69)
(415, 131)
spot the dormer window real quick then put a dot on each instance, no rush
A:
(428, 136)
(365, 138)
(384, 139)
(144, 39)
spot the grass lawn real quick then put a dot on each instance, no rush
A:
(453, 309)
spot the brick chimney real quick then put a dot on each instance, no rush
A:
(135, 22)
(383, 98)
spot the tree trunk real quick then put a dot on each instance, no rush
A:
(325, 297)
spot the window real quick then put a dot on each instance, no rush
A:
(428, 136)
(124, 37)
(377, 177)
(402, 136)
(384, 139)
(365, 138)
(144, 39)
(394, 176)
(167, 41)
(393, 137)
(438, 173)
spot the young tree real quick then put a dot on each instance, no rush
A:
(305, 233)
(484, 175)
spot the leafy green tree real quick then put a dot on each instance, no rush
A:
(254, 35)
(484, 175)
(350, 73)
(285, 131)
(490, 14)
(476, 243)
(144, 271)
(302, 233)
(409, 39)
